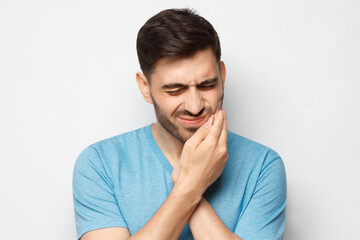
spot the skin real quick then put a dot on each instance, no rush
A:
(191, 131)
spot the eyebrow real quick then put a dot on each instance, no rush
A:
(179, 85)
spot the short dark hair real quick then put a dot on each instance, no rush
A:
(174, 33)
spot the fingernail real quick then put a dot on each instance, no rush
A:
(209, 122)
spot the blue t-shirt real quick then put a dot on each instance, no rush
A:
(122, 181)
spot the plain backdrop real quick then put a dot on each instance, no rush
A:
(67, 80)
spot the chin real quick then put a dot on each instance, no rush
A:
(186, 133)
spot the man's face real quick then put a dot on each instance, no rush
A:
(185, 92)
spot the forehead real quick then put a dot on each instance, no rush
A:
(202, 65)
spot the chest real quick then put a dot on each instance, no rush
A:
(141, 195)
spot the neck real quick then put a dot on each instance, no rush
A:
(168, 144)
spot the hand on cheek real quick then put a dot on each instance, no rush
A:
(202, 131)
(204, 155)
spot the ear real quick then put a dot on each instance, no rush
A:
(222, 72)
(144, 87)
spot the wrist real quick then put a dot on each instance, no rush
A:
(185, 190)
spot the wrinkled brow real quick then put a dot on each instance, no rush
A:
(180, 85)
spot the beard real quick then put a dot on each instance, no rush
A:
(181, 133)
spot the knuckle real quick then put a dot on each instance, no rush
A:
(223, 150)
(224, 156)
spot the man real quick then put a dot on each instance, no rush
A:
(185, 176)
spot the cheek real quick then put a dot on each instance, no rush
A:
(212, 98)
(166, 104)
(171, 104)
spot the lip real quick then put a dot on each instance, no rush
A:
(193, 121)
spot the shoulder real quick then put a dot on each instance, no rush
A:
(250, 153)
(126, 139)
(111, 150)
(261, 176)
(238, 144)
(257, 164)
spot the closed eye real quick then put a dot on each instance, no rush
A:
(175, 92)
(205, 87)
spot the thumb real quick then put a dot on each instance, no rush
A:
(201, 133)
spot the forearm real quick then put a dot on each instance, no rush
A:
(206, 224)
(170, 219)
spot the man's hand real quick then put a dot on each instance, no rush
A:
(204, 155)
(210, 151)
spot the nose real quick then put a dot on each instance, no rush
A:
(194, 103)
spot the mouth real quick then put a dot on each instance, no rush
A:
(193, 122)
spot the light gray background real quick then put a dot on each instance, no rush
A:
(67, 79)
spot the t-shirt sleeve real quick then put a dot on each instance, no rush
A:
(94, 201)
(264, 217)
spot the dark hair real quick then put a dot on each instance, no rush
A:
(174, 33)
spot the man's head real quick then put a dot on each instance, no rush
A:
(179, 54)
(174, 33)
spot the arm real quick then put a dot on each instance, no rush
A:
(204, 223)
(202, 162)
(263, 218)
(167, 222)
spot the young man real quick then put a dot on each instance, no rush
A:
(185, 176)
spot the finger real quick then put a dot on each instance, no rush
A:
(217, 126)
(210, 121)
(223, 135)
(201, 133)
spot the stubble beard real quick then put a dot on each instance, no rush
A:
(174, 130)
